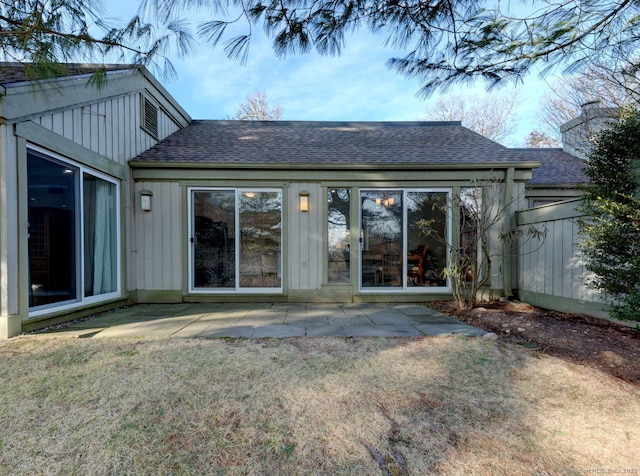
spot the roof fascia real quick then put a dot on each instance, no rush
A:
(178, 113)
(139, 164)
(30, 100)
(25, 100)
(444, 177)
(556, 185)
(18, 87)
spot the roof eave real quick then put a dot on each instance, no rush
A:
(142, 164)
(568, 185)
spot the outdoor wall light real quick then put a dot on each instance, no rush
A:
(304, 201)
(145, 200)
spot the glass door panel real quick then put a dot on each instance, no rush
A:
(100, 236)
(381, 239)
(339, 235)
(260, 240)
(426, 256)
(53, 196)
(214, 226)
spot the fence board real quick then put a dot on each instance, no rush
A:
(554, 273)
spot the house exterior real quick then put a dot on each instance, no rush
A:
(115, 195)
(66, 204)
(228, 200)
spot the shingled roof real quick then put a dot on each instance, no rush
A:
(326, 143)
(12, 72)
(557, 167)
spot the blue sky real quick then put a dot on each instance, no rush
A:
(356, 86)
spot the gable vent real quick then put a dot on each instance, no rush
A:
(150, 117)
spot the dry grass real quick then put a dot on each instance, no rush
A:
(307, 406)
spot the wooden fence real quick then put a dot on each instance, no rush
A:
(550, 271)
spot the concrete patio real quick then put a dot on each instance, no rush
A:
(262, 320)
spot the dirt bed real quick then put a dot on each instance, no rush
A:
(585, 340)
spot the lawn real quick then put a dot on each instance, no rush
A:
(403, 406)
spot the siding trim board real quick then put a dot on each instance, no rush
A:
(386, 177)
(45, 138)
(553, 211)
(521, 168)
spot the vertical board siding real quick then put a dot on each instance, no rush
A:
(159, 238)
(554, 267)
(111, 128)
(568, 251)
(304, 240)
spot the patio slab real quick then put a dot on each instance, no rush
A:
(449, 329)
(382, 331)
(264, 320)
(244, 332)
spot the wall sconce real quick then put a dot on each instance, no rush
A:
(145, 200)
(304, 201)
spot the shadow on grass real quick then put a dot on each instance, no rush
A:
(406, 405)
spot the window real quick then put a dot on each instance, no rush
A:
(149, 117)
(236, 237)
(73, 243)
(100, 238)
(394, 251)
(339, 235)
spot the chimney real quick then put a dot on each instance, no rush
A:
(578, 133)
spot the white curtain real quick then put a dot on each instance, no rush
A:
(100, 237)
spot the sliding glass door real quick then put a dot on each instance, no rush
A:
(236, 237)
(395, 251)
(73, 243)
(381, 238)
(53, 230)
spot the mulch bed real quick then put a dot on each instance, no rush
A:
(584, 340)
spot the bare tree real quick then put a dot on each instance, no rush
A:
(491, 115)
(477, 258)
(257, 108)
(538, 140)
(599, 82)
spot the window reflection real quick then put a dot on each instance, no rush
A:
(339, 235)
(260, 240)
(381, 230)
(217, 215)
(73, 233)
(426, 256)
(214, 247)
(53, 229)
(395, 254)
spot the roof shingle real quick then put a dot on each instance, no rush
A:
(12, 72)
(319, 143)
(557, 167)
